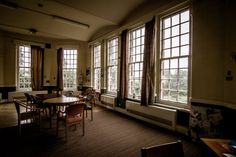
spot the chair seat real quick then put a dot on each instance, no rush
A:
(28, 115)
(74, 119)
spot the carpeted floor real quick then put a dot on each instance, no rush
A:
(111, 134)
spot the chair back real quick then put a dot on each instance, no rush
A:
(173, 149)
(36, 100)
(75, 109)
(19, 104)
(90, 97)
(28, 97)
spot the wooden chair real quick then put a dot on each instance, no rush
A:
(31, 116)
(89, 101)
(29, 101)
(173, 149)
(89, 97)
(74, 114)
(39, 104)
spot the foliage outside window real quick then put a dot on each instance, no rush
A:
(112, 62)
(24, 67)
(97, 67)
(135, 62)
(70, 68)
(174, 58)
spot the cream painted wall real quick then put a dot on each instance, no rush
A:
(229, 50)
(50, 58)
(9, 61)
(207, 57)
(50, 67)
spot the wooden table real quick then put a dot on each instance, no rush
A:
(59, 101)
(218, 146)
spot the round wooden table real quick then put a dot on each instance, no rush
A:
(59, 101)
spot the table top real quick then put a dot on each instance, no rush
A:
(219, 146)
(61, 100)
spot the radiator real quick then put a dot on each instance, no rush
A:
(20, 94)
(108, 100)
(160, 116)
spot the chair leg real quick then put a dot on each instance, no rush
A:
(57, 125)
(19, 128)
(66, 131)
(92, 113)
(83, 123)
(39, 121)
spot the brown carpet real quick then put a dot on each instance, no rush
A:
(111, 134)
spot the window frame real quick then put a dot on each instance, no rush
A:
(141, 27)
(115, 65)
(74, 62)
(96, 67)
(169, 15)
(18, 67)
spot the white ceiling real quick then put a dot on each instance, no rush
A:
(37, 14)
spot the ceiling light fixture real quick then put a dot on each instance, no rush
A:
(71, 22)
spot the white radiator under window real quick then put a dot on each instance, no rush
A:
(108, 100)
(161, 116)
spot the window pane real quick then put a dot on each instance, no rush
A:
(182, 97)
(183, 84)
(165, 84)
(183, 62)
(175, 41)
(136, 50)
(173, 95)
(184, 50)
(183, 74)
(165, 94)
(174, 63)
(175, 52)
(166, 22)
(166, 43)
(185, 28)
(112, 64)
(174, 57)
(175, 30)
(24, 67)
(173, 73)
(166, 53)
(97, 66)
(166, 33)
(165, 74)
(165, 64)
(175, 20)
(70, 69)
(185, 16)
(184, 39)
